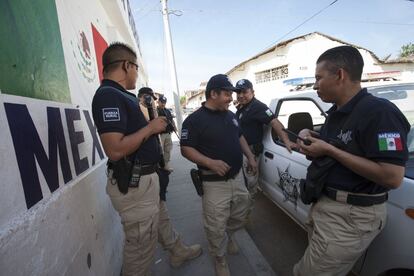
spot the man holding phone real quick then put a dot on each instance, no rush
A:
(373, 135)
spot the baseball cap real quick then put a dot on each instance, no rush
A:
(146, 90)
(220, 81)
(244, 84)
(162, 99)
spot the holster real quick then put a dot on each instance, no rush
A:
(198, 183)
(311, 188)
(122, 170)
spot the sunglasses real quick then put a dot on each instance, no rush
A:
(123, 60)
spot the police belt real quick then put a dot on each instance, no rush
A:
(363, 200)
(148, 168)
(145, 168)
(209, 176)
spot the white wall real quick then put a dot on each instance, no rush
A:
(195, 102)
(74, 229)
(300, 55)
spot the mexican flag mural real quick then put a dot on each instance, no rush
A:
(31, 59)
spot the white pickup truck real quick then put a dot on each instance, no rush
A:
(392, 252)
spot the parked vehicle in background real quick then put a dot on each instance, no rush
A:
(280, 173)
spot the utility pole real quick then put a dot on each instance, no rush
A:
(171, 61)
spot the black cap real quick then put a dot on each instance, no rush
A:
(162, 99)
(220, 81)
(146, 90)
(244, 84)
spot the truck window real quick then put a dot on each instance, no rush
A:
(289, 106)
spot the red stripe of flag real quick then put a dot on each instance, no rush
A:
(100, 47)
(398, 144)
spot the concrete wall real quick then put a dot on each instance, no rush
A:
(55, 216)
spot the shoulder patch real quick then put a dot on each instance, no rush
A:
(389, 141)
(269, 112)
(111, 114)
(184, 134)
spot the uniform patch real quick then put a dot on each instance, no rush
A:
(269, 112)
(111, 114)
(389, 141)
(184, 134)
(345, 137)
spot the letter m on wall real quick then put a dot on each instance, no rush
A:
(29, 149)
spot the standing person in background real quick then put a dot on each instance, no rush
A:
(165, 137)
(372, 133)
(252, 115)
(212, 139)
(142, 101)
(168, 237)
(128, 138)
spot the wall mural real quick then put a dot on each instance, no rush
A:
(32, 61)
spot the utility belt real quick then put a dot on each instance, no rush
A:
(200, 176)
(210, 176)
(363, 200)
(128, 174)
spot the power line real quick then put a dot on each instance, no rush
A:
(301, 24)
(375, 22)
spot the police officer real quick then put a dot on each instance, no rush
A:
(126, 135)
(212, 139)
(165, 137)
(252, 114)
(168, 237)
(143, 93)
(372, 133)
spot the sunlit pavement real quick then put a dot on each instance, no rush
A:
(186, 213)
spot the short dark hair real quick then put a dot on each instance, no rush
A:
(345, 57)
(115, 54)
(208, 92)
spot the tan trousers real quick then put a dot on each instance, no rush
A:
(139, 211)
(225, 209)
(252, 180)
(167, 145)
(338, 235)
(167, 236)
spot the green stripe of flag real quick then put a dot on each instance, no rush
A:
(382, 142)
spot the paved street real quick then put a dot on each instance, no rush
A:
(185, 211)
(273, 242)
(280, 240)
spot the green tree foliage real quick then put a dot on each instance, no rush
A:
(407, 50)
(182, 100)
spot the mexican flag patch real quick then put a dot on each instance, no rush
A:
(389, 141)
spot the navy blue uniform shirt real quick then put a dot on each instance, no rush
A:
(214, 134)
(116, 110)
(252, 117)
(164, 112)
(378, 132)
